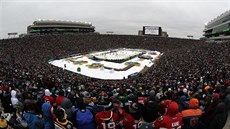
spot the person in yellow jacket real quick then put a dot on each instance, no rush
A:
(61, 121)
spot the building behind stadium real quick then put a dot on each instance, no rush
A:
(218, 29)
(59, 27)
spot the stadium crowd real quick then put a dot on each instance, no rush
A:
(188, 87)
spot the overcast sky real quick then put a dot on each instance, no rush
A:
(178, 17)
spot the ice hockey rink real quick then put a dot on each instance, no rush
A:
(106, 65)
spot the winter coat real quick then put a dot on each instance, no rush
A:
(227, 99)
(192, 116)
(33, 121)
(47, 115)
(6, 103)
(220, 118)
(150, 112)
(14, 100)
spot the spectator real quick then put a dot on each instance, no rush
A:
(14, 100)
(227, 98)
(33, 120)
(48, 115)
(4, 123)
(69, 107)
(220, 118)
(172, 119)
(17, 121)
(150, 113)
(47, 97)
(61, 121)
(183, 104)
(59, 98)
(132, 120)
(6, 102)
(163, 106)
(107, 119)
(192, 116)
(211, 109)
(84, 116)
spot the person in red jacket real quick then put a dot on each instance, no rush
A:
(172, 119)
(59, 98)
(163, 106)
(107, 119)
(47, 97)
(132, 120)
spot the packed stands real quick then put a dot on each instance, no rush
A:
(192, 73)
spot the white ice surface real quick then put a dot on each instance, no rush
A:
(105, 73)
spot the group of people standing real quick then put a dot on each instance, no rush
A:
(82, 110)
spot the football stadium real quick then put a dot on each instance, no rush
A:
(42, 26)
(63, 74)
(218, 29)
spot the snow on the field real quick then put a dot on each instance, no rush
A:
(103, 73)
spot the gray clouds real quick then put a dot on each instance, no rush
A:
(178, 17)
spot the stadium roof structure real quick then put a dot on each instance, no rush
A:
(61, 22)
(219, 27)
(42, 26)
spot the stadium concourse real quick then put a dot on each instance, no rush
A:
(192, 73)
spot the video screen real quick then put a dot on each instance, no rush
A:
(151, 30)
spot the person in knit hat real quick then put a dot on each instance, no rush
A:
(108, 117)
(17, 121)
(210, 110)
(48, 115)
(152, 96)
(47, 97)
(149, 113)
(130, 120)
(192, 116)
(33, 120)
(206, 88)
(61, 121)
(172, 119)
(69, 107)
(19, 107)
(182, 102)
(209, 96)
(84, 115)
(6, 101)
(163, 106)
(14, 100)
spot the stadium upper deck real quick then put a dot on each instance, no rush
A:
(219, 27)
(58, 26)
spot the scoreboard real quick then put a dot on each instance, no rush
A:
(152, 30)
